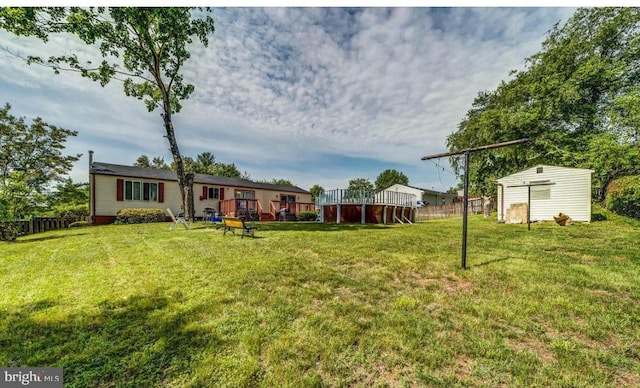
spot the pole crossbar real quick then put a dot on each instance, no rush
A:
(465, 199)
(474, 149)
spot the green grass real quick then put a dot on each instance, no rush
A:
(308, 304)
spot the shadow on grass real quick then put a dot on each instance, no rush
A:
(316, 227)
(31, 238)
(490, 262)
(143, 340)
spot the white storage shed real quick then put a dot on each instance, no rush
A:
(553, 190)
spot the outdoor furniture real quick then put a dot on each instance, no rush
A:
(177, 220)
(210, 215)
(233, 223)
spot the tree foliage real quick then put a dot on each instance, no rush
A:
(623, 196)
(157, 163)
(31, 159)
(204, 163)
(316, 191)
(582, 85)
(146, 48)
(361, 184)
(69, 199)
(278, 181)
(390, 177)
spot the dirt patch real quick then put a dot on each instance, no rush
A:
(534, 346)
(588, 258)
(626, 379)
(454, 285)
(463, 367)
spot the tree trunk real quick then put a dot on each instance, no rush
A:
(189, 211)
(177, 158)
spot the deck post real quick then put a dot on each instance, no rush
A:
(337, 213)
(384, 214)
(362, 213)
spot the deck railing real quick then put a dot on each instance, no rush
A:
(366, 197)
(240, 207)
(291, 207)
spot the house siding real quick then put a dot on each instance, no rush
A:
(570, 193)
(108, 202)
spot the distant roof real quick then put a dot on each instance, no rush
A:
(150, 173)
(427, 191)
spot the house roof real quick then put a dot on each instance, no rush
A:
(150, 173)
(427, 191)
(516, 175)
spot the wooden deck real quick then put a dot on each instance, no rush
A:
(366, 206)
(252, 209)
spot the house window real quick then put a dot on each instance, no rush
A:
(540, 192)
(128, 190)
(149, 191)
(136, 191)
(214, 193)
(139, 191)
(153, 191)
(287, 198)
(245, 194)
(539, 170)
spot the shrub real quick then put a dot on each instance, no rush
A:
(9, 231)
(139, 216)
(307, 216)
(623, 196)
(71, 211)
(79, 224)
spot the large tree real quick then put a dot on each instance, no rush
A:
(316, 191)
(360, 184)
(146, 47)
(583, 84)
(31, 159)
(390, 177)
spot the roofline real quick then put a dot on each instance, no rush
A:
(174, 178)
(497, 181)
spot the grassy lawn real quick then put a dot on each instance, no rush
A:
(327, 305)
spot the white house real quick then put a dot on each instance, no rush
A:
(553, 190)
(428, 196)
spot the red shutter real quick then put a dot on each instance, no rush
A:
(221, 193)
(161, 192)
(119, 189)
(204, 193)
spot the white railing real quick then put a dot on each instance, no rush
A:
(366, 197)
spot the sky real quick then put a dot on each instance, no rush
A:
(312, 95)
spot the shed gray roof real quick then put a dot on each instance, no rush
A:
(427, 191)
(150, 173)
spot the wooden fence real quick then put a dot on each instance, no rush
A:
(44, 224)
(446, 211)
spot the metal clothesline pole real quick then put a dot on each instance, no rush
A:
(465, 199)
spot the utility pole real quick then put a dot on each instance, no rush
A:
(465, 205)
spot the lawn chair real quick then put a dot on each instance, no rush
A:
(177, 220)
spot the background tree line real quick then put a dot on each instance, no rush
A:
(577, 100)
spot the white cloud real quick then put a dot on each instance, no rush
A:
(279, 87)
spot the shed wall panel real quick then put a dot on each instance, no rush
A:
(570, 193)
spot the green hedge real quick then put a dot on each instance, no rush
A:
(307, 216)
(139, 216)
(623, 196)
